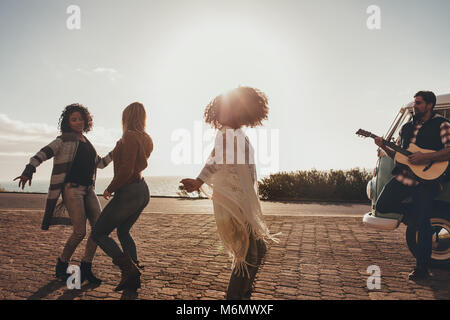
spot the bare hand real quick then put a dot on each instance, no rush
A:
(191, 184)
(107, 194)
(379, 141)
(418, 158)
(23, 180)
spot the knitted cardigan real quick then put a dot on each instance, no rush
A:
(63, 149)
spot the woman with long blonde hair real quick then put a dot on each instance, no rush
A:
(131, 195)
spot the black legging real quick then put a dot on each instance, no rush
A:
(121, 213)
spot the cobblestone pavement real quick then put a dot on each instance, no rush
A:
(316, 258)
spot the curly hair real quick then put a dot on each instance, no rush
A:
(245, 106)
(63, 123)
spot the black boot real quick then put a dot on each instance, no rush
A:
(86, 273)
(61, 270)
(131, 277)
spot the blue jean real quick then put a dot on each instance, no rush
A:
(390, 200)
(121, 213)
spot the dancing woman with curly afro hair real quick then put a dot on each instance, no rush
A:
(243, 106)
(73, 176)
(234, 185)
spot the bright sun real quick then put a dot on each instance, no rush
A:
(214, 56)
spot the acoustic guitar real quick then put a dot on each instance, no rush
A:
(430, 171)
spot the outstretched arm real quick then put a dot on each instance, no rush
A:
(44, 154)
(209, 168)
(206, 173)
(105, 161)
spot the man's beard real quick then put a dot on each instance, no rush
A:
(419, 115)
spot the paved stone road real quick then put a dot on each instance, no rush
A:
(32, 201)
(317, 258)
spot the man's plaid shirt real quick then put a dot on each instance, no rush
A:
(406, 176)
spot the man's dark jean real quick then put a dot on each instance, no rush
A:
(390, 200)
(121, 213)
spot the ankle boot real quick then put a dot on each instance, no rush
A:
(86, 273)
(61, 270)
(131, 277)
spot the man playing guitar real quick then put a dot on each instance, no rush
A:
(428, 131)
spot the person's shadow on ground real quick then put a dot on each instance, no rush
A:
(70, 294)
(44, 291)
(441, 283)
(57, 284)
(438, 282)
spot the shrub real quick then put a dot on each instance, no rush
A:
(332, 185)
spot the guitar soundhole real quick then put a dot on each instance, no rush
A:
(427, 167)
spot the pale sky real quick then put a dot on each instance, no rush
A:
(325, 73)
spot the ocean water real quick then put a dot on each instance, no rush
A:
(159, 186)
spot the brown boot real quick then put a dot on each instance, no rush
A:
(131, 277)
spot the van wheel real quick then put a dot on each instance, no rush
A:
(440, 255)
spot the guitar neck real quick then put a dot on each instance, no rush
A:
(393, 146)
